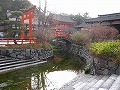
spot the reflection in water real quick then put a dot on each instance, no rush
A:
(48, 76)
(61, 76)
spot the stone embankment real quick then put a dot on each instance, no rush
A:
(13, 59)
(27, 53)
(96, 65)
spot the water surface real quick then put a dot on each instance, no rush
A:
(48, 76)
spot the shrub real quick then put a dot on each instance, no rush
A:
(80, 37)
(43, 35)
(102, 33)
(118, 37)
(106, 50)
(95, 33)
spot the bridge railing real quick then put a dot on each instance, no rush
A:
(12, 41)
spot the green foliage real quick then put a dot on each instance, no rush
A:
(87, 69)
(118, 37)
(9, 22)
(17, 23)
(79, 18)
(10, 33)
(12, 5)
(15, 14)
(106, 50)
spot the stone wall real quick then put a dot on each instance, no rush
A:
(97, 66)
(27, 53)
(82, 52)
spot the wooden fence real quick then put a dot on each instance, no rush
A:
(13, 41)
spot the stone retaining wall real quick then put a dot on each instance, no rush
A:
(27, 53)
(97, 66)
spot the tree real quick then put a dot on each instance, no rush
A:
(42, 17)
(17, 24)
(12, 5)
(79, 18)
(102, 33)
(16, 15)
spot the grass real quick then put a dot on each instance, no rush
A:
(28, 46)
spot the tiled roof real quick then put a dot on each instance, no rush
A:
(81, 25)
(106, 17)
(63, 18)
(101, 18)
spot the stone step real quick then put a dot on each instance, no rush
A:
(100, 82)
(116, 84)
(107, 84)
(11, 62)
(93, 82)
(19, 64)
(3, 59)
(8, 60)
(103, 89)
(72, 82)
(82, 84)
(92, 88)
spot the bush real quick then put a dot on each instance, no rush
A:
(95, 33)
(101, 33)
(106, 50)
(118, 37)
(80, 37)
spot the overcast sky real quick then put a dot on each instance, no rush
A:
(93, 7)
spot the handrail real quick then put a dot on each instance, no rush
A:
(11, 41)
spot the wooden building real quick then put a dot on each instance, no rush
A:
(107, 19)
(61, 25)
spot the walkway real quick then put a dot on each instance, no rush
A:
(90, 82)
(8, 64)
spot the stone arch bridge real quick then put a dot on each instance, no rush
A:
(65, 42)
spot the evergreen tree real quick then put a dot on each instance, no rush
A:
(12, 5)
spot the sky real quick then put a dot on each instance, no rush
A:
(93, 7)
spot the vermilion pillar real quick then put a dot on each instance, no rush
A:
(30, 26)
(27, 15)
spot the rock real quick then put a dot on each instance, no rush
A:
(111, 64)
(13, 55)
(105, 72)
(27, 52)
(118, 70)
(20, 57)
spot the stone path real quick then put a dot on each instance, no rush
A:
(90, 82)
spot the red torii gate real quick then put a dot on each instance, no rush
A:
(27, 15)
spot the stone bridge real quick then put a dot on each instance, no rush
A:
(65, 42)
